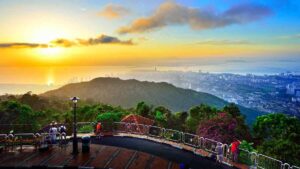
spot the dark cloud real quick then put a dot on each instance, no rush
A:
(23, 45)
(113, 11)
(63, 42)
(223, 42)
(102, 39)
(170, 13)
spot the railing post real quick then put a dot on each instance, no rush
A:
(255, 158)
(283, 166)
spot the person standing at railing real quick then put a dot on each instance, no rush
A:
(53, 133)
(235, 150)
(219, 150)
(63, 132)
(98, 129)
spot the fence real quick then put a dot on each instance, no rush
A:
(190, 139)
(172, 135)
(245, 157)
(266, 162)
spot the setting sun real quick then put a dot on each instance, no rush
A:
(46, 33)
(49, 52)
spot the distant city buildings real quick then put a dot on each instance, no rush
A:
(293, 89)
(267, 93)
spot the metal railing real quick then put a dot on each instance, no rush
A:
(199, 143)
(194, 141)
(172, 135)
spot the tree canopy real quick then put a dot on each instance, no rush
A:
(279, 136)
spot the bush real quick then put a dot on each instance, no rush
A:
(86, 129)
(244, 157)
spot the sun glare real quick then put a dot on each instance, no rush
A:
(46, 34)
(50, 82)
(49, 52)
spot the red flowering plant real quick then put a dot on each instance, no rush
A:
(223, 128)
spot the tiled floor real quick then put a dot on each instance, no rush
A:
(100, 156)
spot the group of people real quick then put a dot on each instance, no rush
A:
(61, 130)
(54, 131)
(234, 149)
(218, 153)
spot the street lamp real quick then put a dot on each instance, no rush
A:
(75, 141)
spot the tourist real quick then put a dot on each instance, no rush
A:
(53, 133)
(219, 150)
(63, 132)
(98, 129)
(235, 150)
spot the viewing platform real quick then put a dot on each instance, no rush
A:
(128, 145)
(100, 156)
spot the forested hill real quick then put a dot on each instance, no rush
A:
(127, 93)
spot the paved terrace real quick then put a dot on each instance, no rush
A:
(100, 156)
(108, 152)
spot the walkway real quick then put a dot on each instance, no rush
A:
(162, 150)
(101, 156)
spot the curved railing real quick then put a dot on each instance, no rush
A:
(196, 144)
(199, 143)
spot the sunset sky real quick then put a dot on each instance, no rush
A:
(35, 33)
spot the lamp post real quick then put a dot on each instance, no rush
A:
(75, 141)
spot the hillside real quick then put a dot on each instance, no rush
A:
(127, 93)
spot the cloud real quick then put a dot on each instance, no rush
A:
(113, 11)
(63, 42)
(22, 45)
(224, 42)
(170, 13)
(102, 39)
(295, 36)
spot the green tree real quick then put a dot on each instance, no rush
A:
(13, 112)
(232, 109)
(160, 118)
(243, 155)
(143, 109)
(197, 114)
(279, 137)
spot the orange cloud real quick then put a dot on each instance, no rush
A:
(63, 42)
(170, 13)
(113, 11)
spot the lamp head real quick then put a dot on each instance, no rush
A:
(74, 99)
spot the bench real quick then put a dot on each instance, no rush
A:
(26, 139)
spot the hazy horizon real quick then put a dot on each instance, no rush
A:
(116, 38)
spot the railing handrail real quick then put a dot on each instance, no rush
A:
(256, 161)
(200, 141)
